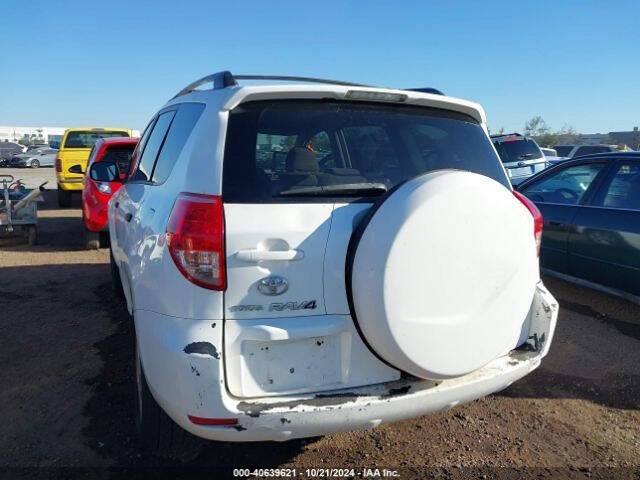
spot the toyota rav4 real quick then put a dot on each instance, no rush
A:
(308, 257)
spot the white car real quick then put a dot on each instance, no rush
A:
(570, 151)
(521, 156)
(316, 256)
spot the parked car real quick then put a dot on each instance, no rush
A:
(34, 158)
(591, 210)
(551, 161)
(570, 151)
(37, 146)
(520, 156)
(8, 150)
(277, 300)
(548, 152)
(107, 169)
(76, 146)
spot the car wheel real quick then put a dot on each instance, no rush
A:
(159, 434)
(91, 240)
(4, 162)
(64, 198)
(35, 164)
(116, 283)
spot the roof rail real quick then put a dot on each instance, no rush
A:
(298, 79)
(432, 90)
(226, 79)
(219, 79)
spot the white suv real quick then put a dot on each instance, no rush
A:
(316, 256)
(570, 151)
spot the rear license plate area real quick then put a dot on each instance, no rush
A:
(290, 365)
(520, 172)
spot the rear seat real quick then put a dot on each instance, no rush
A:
(301, 170)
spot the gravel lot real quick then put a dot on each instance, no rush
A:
(33, 177)
(67, 388)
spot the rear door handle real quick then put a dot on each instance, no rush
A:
(255, 255)
(128, 217)
(557, 224)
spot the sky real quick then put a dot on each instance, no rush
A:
(115, 63)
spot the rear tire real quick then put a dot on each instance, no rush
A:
(116, 283)
(92, 240)
(35, 164)
(64, 198)
(159, 434)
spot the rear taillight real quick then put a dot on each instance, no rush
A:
(58, 164)
(195, 237)
(537, 218)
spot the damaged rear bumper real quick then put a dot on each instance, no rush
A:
(186, 377)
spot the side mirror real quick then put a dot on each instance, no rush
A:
(104, 172)
(76, 169)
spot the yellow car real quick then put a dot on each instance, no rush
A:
(75, 149)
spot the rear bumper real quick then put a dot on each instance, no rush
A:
(70, 184)
(190, 381)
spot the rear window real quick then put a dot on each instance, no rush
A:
(563, 151)
(121, 156)
(277, 148)
(588, 150)
(87, 139)
(517, 150)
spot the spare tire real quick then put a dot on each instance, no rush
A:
(442, 274)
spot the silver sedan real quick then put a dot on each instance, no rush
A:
(44, 157)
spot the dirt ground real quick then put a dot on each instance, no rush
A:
(66, 390)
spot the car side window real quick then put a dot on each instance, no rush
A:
(181, 127)
(135, 157)
(153, 145)
(566, 186)
(623, 191)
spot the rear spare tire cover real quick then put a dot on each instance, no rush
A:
(443, 274)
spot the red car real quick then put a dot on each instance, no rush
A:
(107, 170)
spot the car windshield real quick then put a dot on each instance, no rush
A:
(563, 151)
(87, 139)
(517, 149)
(281, 150)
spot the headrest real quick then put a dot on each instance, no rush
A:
(300, 159)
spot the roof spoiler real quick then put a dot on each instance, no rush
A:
(506, 135)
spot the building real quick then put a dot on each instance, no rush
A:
(631, 139)
(594, 138)
(31, 134)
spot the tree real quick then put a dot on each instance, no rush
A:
(536, 127)
(545, 137)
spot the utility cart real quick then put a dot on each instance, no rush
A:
(19, 208)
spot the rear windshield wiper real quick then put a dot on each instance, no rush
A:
(356, 189)
(525, 155)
